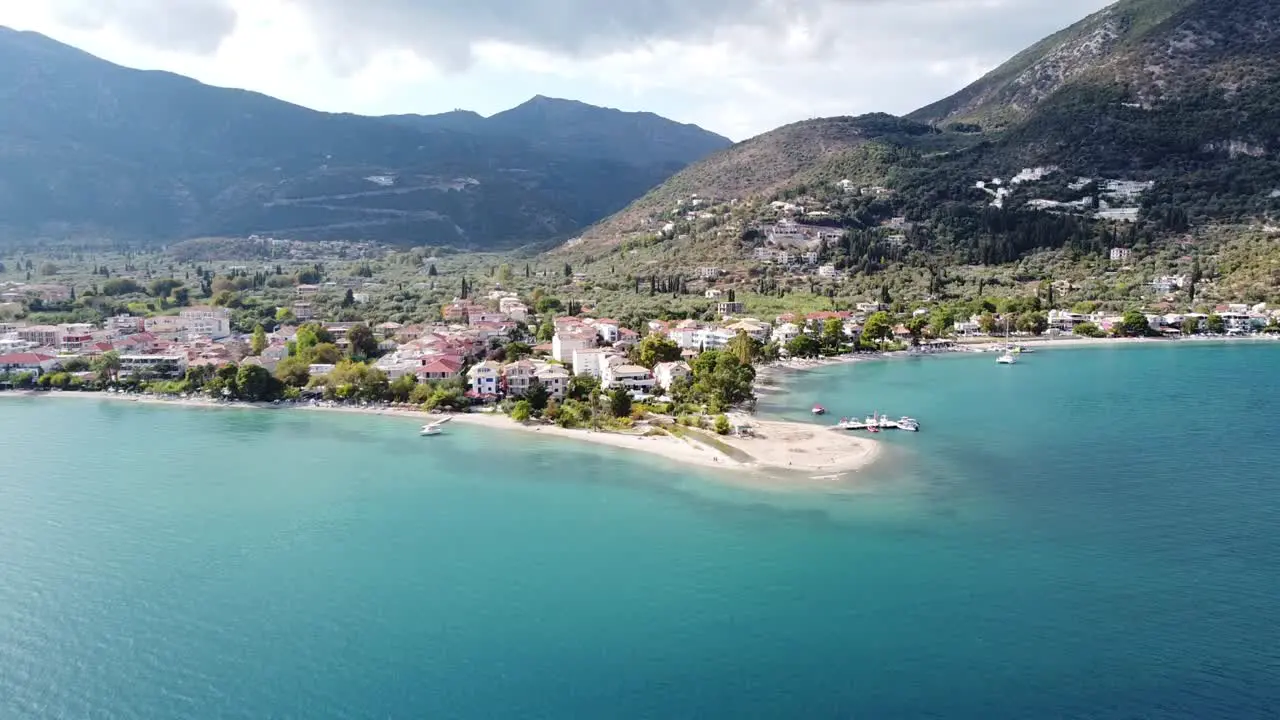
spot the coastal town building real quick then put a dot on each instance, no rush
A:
(214, 322)
(666, 374)
(161, 365)
(1119, 254)
(28, 362)
(633, 378)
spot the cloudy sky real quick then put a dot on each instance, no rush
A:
(738, 67)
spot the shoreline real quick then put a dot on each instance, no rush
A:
(775, 446)
(768, 377)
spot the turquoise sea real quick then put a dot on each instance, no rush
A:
(1088, 534)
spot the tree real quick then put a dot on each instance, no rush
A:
(1216, 325)
(324, 353)
(431, 270)
(620, 402)
(505, 275)
(517, 351)
(284, 315)
(522, 411)
(294, 371)
(803, 346)
(1035, 323)
(349, 298)
(362, 341)
(181, 296)
(537, 396)
(1194, 279)
(311, 335)
(722, 425)
(568, 270)
(1190, 326)
(256, 384)
(654, 349)
(48, 269)
(743, 346)
(401, 389)
(1134, 324)
(878, 327)
(917, 326)
(164, 287)
(1088, 329)
(987, 323)
(259, 341)
(583, 387)
(107, 366)
(833, 336)
(356, 381)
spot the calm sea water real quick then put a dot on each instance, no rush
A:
(1088, 534)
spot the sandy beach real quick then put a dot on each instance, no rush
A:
(773, 445)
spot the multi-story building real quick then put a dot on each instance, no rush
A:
(632, 377)
(555, 379)
(213, 322)
(517, 377)
(485, 378)
(40, 335)
(570, 340)
(666, 374)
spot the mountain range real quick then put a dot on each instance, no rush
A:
(93, 149)
(1161, 114)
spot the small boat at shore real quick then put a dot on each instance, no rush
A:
(819, 410)
(1007, 359)
(433, 428)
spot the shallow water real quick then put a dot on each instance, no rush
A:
(1090, 533)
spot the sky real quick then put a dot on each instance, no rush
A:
(736, 67)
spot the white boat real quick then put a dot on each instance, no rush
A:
(430, 430)
(908, 424)
(1007, 359)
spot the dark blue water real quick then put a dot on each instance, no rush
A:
(1088, 534)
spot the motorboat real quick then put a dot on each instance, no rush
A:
(908, 424)
(430, 430)
(1007, 359)
(819, 410)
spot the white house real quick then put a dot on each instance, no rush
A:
(709, 273)
(514, 309)
(570, 340)
(665, 374)
(632, 377)
(485, 378)
(37, 363)
(592, 361)
(607, 329)
(1119, 254)
(828, 271)
(555, 379)
(785, 333)
(730, 307)
(518, 376)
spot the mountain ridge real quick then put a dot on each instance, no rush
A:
(1178, 96)
(92, 148)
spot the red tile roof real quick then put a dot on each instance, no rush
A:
(24, 359)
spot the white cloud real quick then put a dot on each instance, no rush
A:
(735, 66)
